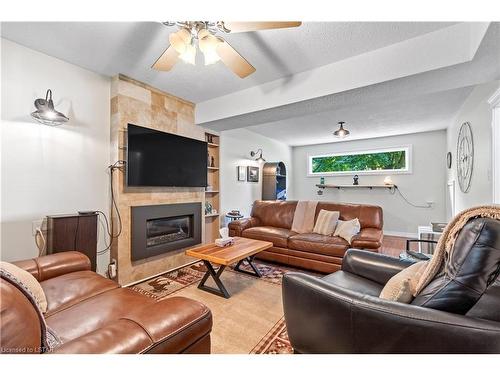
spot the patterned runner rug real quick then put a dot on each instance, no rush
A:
(184, 280)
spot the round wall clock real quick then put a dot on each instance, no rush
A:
(465, 157)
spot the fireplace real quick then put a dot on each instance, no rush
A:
(160, 229)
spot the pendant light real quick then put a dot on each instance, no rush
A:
(45, 112)
(341, 132)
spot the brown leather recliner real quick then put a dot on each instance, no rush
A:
(272, 221)
(92, 314)
(457, 312)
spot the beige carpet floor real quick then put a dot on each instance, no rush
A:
(241, 321)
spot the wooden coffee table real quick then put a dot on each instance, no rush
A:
(243, 249)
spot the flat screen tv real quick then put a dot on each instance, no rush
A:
(156, 158)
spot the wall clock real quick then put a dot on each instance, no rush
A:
(465, 157)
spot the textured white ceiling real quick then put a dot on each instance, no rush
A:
(110, 48)
(375, 119)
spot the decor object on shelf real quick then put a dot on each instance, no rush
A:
(274, 181)
(341, 132)
(259, 158)
(448, 160)
(355, 180)
(242, 173)
(388, 180)
(209, 138)
(208, 208)
(252, 174)
(45, 112)
(212, 161)
(465, 157)
(214, 48)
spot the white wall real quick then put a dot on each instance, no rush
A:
(427, 182)
(50, 170)
(235, 151)
(477, 112)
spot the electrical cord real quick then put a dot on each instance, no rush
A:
(109, 226)
(396, 188)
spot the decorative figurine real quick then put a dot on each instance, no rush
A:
(355, 180)
(212, 161)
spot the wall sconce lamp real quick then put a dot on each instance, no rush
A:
(45, 112)
(259, 158)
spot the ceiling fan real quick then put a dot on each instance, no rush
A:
(214, 48)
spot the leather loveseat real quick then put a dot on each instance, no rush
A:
(92, 314)
(272, 221)
(457, 312)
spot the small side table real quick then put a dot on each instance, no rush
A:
(426, 233)
(234, 217)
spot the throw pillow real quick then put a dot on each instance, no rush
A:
(401, 286)
(326, 222)
(28, 281)
(347, 229)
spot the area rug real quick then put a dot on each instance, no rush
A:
(250, 321)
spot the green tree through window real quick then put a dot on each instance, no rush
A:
(389, 160)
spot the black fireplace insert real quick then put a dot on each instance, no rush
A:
(160, 229)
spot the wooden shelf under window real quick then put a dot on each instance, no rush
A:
(329, 186)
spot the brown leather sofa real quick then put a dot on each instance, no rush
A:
(272, 221)
(457, 312)
(92, 314)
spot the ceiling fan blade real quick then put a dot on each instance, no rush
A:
(241, 27)
(167, 60)
(233, 60)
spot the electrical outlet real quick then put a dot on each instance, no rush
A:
(40, 223)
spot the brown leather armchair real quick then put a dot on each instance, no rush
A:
(92, 314)
(458, 312)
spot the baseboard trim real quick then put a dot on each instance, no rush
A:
(400, 234)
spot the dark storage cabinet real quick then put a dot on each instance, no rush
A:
(274, 181)
(73, 232)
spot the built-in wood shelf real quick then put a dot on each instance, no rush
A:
(212, 221)
(330, 186)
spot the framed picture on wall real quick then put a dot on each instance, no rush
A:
(242, 173)
(252, 174)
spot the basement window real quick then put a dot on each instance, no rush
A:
(383, 161)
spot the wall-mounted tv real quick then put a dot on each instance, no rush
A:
(156, 158)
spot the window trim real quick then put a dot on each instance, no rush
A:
(407, 170)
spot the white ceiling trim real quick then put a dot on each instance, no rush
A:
(442, 48)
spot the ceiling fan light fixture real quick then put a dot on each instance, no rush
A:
(189, 55)
(208, 45)
(180, 40)
(341, 132)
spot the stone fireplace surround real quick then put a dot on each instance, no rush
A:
(140, 104)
